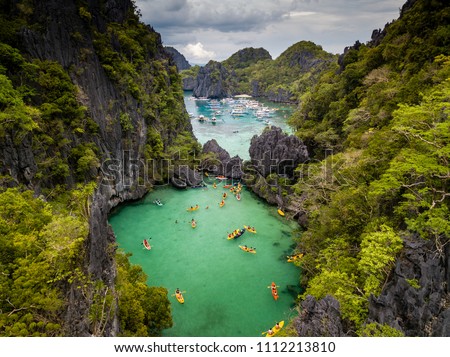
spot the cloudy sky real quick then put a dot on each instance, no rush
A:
(215, 29)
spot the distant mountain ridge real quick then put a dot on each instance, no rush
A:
(253, 71)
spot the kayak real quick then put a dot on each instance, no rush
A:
(214, 185)
(146, 244)
(276, 329)
(235, 234)
(193, 224)
(250, 229)
(274, 290)
(221, 177)
(280, 212)
(180, 297)
(159, 203)
(224, 195)
(293, 258)
(221, 204)
(238, 197)
(226, 186)
(194, 208)
(248, 250)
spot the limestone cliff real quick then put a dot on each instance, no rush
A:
(254, 72)
(219, 162)
(127, 108)
(212, 81)
(415, 300)
(178, 58)
(274, 156)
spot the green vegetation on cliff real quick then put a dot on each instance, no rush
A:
(381, 127)
(42, 246)
(58, 123)
(254, 72)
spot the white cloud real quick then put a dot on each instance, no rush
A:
(301, 13)
(198, 52)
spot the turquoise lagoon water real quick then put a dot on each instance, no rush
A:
(226, 289)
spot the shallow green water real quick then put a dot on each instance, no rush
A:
(225, 288)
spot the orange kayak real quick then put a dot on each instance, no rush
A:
(274, 290)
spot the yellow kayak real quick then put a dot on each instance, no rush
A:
(194, 208)
(180, 298)
(280, 212)
(248, 250)
(275, 329)
(250, 229)
(293, 258)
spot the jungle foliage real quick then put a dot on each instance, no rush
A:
(379, 133)
(254, 72)
(44, 232)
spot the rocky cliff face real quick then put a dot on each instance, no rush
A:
(189, 83)
(212, 82)
(219, 161)
(277, 95)
(416, 300)
(274, 156)
(69, 34)
(178, 58)
(277, 152)
(319, 318)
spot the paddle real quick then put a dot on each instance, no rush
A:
(181, 292)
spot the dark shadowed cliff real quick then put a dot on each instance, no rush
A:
(100, 97)
(180, 61)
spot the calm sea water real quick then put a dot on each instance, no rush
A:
(225, 289)
(233, 133)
